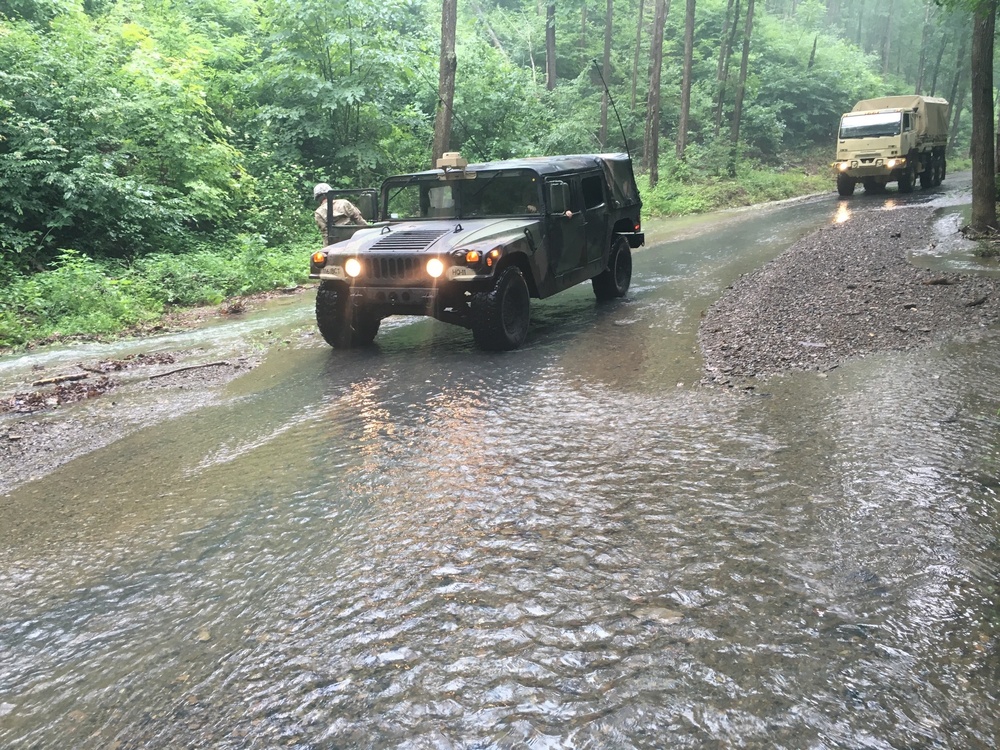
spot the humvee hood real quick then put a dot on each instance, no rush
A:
(433, 236)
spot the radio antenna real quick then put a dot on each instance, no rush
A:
(617, 116)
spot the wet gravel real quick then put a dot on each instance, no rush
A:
(846, 291)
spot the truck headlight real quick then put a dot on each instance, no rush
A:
(435, 268)
(844, 166)
(353, 267)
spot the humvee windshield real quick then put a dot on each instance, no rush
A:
(506, 193)
(870, 126)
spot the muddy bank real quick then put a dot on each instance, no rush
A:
(56, 413)
(848, 290)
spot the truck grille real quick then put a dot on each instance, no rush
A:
(391, 268)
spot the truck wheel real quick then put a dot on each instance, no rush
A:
(927, 176)
(500, 316)
(907, 178)
(944, 168)
(845, 185)
(614, 280)
(342, 326)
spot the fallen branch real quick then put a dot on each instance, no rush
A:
(61, 379)
(189, 367)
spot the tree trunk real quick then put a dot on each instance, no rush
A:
(955, 83)
(937, 63)
(724, 55)
(606, 72)
(651, 142)
(734, 131)
(682, 125)
(638, 48)
(957, 105)
(550, 45)
(446, 80)
(984, 206)
(887, 39)
(925, 36)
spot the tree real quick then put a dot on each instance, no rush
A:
(606, 71)
(682, 125)
(651, 142)
(446, 80)
(734, 132)
(550, 45)
(984, 206)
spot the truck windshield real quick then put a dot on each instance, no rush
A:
(514, 193)
(870, 126)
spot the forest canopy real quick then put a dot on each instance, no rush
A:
(131, 129)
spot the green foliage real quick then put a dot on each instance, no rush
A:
(81, 296)
(701, 182)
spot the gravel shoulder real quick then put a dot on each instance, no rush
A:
(845, 291)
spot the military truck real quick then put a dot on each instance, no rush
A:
(471, 244)
(892, 139)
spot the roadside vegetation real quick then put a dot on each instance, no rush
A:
(156, 155)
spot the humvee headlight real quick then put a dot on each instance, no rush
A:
(844, 166)
(435, 268)
(353, 267)
(319, 258)
(493, 255)
(472, 257)
(893, 163)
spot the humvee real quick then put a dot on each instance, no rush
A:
(471, 244)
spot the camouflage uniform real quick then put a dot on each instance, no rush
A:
(342, 212)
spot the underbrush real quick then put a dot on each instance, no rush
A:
(80, 296)
(707, 181)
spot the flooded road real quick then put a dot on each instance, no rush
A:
(572, 545)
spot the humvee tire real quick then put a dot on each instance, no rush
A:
(614, 280)
(500, 316)
(341, 327)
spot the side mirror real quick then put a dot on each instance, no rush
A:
(558, 197)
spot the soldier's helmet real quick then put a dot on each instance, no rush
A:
(321, 189)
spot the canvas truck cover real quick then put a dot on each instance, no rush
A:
(933, 111)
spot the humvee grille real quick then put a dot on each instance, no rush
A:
(391, 268)
(413, 241)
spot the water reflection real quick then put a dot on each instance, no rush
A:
(843, 212)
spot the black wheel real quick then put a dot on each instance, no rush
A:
(927, 177)
(845, 185)
(341, 325)
(614, 280)
(500, 316)
(907, 178)
(944, 168)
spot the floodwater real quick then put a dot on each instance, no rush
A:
(569, 546)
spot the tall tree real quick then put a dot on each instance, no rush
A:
(925, 36)
(606, 67)
(446, 80)
(741, 85)
(651, 142)
(984, 205)
(725, 52)
(550, 45)
(682, 125)
(638, 49)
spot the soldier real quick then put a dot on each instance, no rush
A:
(341, 211)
